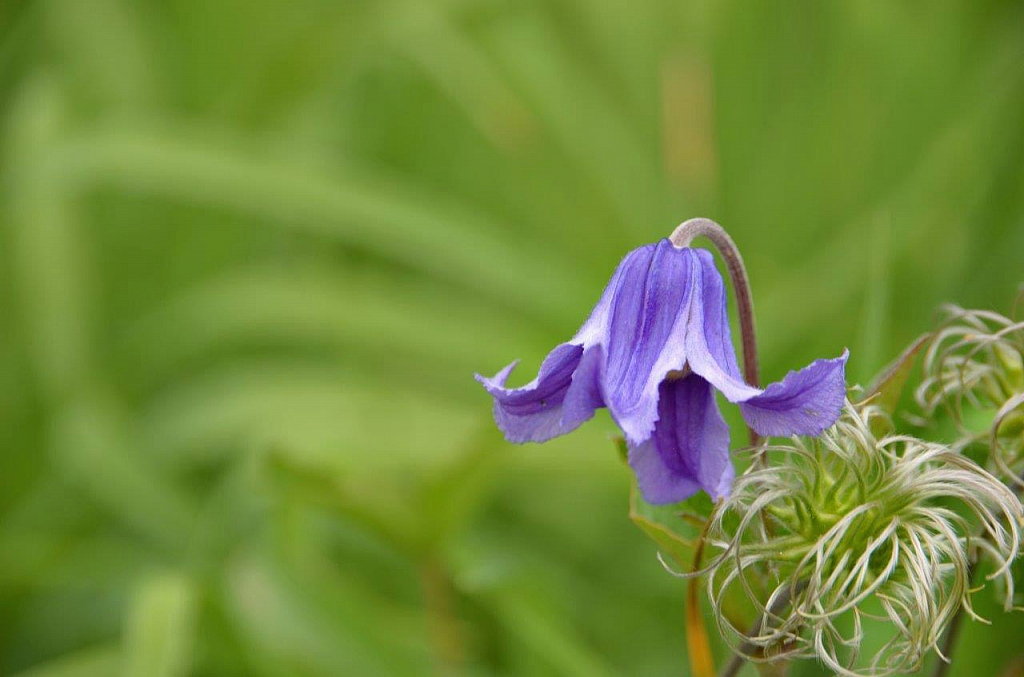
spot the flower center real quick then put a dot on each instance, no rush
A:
(678, 374)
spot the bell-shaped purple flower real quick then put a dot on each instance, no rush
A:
(654, 350)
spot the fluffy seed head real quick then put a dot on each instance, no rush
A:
(976, 363)
(846, 527)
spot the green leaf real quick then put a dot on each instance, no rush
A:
(886, 389)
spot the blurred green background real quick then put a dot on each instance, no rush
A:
(251, 254)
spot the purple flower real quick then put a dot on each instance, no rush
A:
(654, 350)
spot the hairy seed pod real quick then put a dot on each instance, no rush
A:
(975, 363)
(846, 527)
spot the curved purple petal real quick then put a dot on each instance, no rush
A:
(584, 394)
(689, 449)
(645, 333)
(805, 402)
(709, 347)
(595, 328)
(564, 395)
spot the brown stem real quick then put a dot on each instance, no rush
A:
(697, 642)
(682, 236)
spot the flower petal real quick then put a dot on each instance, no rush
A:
(709, 347)
(595, 329)
(689, 449)
(645, 334)
(564, 395)
(805, 402)
(584, 394)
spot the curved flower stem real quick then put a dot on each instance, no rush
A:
(733, 667)
(682, 236)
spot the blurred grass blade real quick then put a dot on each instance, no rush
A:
(306, 306)
(47, 248)
(959, 165)
(96, 662)
(875, 324)
(88, 449)
(108, 49)
(452, 499)
(602, 142)
(408, 226)
(308, 410)
(290, 629)
(463, 71)
(160, 627)
(562, 651)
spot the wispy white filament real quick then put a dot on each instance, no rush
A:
(976, 359)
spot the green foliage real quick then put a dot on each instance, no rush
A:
(252, 253)
(160, 628)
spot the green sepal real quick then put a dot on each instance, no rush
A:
(887, 387)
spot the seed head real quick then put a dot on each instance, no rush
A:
(846, 527)
(975, 363)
